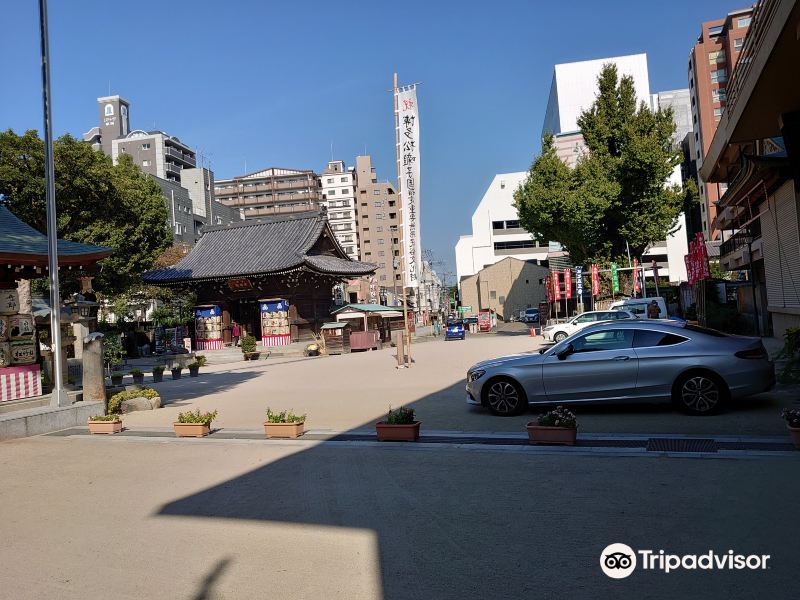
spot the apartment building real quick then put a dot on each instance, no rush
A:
(200, 185)
(339, 197)
(156, 152)
(378, 213)
(711, 62)
(270, 191)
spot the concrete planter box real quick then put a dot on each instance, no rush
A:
(398, 433)
(105, 426)
(539, 434)
(284, 430)
(795, 433)
(191, 429)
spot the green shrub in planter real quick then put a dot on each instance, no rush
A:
(158, 373)
(200, 360)
(194, 368)
(197, 417)
(285, 416)
(112, 417)
(400, 416)
(116, 378)
(248, 344)
(138, 376)
(176, 372)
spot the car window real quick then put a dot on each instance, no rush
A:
(622, 315)
(588, 317)
(613, 339)
(646, 338)
(607, 316)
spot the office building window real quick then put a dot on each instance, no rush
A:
(146, 146)
(379, 216)
(145, 163)
(737, 44)
(376, 192)
(718, 112)
(330, 180)
(331, 192)
(379, 228)
(391, 203)
(378, 203)
(744, 21)
(343, 179)
(718, 95)
(397, 277)
(713, 31)
(109, 110)
(719, 75)
(512, 224)
(498, 224)
(717, 56)
(381, 241)
(514, 245)
(493, 295)
(381, 253)
(392, 215)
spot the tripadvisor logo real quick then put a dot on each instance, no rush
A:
(620, 560)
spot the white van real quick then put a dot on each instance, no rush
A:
(638, 306)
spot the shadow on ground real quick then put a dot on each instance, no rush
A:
(179, 392)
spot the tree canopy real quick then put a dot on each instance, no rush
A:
(97, 202)
(618, 192)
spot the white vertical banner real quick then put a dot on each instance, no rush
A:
(408, 155)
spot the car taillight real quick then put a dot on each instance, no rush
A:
(756, 353)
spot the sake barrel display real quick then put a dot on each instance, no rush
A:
(23, 352)
(208, 327)
(9, 302)
(21, 327)
(275, 330)
(4, 333)
(5, 354)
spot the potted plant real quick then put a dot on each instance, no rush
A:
(194, 369)
(792, 418)
(194, 424)
(116, 378)
(283, 424)
(158, 373)
(558, 426)
(249, 348)
(201, 360)
(138, 376)
(176, 371)
(105, 424)
(399, 426)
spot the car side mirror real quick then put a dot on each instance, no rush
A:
(542, 350)
(565, 352)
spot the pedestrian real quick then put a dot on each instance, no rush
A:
(235, 332)
(653, 310)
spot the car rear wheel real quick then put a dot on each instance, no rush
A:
(504, 397)
(560, 336)
(699, 393)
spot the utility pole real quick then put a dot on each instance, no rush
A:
(60, 397)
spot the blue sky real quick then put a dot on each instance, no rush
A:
(276, 83)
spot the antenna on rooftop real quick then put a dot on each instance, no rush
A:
(109, 87)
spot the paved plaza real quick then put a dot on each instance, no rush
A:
(352, 391)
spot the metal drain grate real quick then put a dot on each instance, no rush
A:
(680, 445)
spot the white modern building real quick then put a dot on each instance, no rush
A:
(574, 89)
(496, 231)
(339, 197)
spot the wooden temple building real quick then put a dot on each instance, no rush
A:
(273, 276)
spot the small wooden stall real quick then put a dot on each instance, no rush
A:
(24, 255)
(208, 327)
(275, 328)
(371, 324)
(336, 336)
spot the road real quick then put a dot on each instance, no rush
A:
(353, 391)
(89, 517)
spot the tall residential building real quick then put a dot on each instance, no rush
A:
(379, 225)
(200, 184)
(270, 191)
(711, 62)
(339, 197)
(496, 231)
(156, 152)
(680, 103)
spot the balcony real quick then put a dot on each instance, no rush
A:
(178, 155)
(742, 248)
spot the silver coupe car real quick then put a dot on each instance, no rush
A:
(627, 361)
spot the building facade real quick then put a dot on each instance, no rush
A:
(496, 231)
(270, 191)
(200, 184)
(507, 287)
(711, 62)
(755, 151)
(339, 198)
(378, 214)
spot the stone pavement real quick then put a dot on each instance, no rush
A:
(90, 518)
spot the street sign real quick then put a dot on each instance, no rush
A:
(614, 278)
(579, 283)
(464, 309)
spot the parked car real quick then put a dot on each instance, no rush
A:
(638, 360)
(560, 331)
(638, 306)
(455, 331)
(530, 315)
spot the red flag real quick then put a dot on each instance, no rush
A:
(567, 284)
(548, 284)
(636, 287)
(556, 286)
(595, 281)
(688, 260)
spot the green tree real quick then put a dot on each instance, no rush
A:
(96, 202)
(618, 193)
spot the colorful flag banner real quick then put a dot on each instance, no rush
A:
(548, 284)
(636, 287)
(556, 286)
(567, 284)
(408, 155)
(614, 278)
(579, 283)
(595, 281)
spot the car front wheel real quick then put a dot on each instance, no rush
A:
(699, 394)
(504, 397)
(560, 336)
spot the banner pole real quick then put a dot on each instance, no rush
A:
(401, 231)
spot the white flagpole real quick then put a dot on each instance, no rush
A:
(403, 265)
